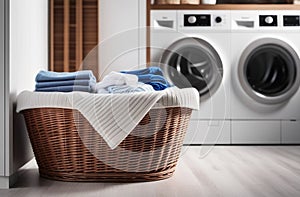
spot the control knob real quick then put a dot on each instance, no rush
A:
(192, 19)
(218, 19)
(269, 19)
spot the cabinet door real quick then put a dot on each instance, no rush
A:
(208, 132)
(255, 132)
(2, 88)
(73, 34)
(119, 35)
(290, 132)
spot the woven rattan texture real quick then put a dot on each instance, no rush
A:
(67, 147)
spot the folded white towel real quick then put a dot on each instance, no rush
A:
(115, 79)
(112, 116)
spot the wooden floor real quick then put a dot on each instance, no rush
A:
(222, 171)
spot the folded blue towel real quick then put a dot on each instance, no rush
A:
(43, 76)
(151, 70)
(151, 78)
(65, 89)
(158, 82)
(48, 84)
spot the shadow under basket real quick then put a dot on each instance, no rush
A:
(67, 148)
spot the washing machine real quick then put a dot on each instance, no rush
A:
(193, 49)
(265, 77)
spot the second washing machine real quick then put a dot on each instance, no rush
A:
(265, 96)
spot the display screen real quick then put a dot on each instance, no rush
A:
(291, 21)
(204, 20)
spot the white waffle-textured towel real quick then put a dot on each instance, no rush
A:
(113, 116)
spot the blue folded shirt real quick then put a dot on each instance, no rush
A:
(152, 76)
(156, 81)
(151, 70)
(43, 76)
(65, 89)
(48, 84)
(158, 86)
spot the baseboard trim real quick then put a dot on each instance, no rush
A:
(4, 182)
(7, 182)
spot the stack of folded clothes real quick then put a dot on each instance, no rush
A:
(145, 80)
(152, 76)
(47, 81)
(117, 83)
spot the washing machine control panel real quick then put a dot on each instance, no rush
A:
(268, 20)
(204, 20)
(197, 20)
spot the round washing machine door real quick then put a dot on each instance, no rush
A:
(193, 62)
(269, 71)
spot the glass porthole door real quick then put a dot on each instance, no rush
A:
(193, 62)
(269, 71)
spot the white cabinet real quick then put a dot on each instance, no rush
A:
(2, 150)
(26, 53)
(120, 35)
(290, 132)
(255, 132)
(208, 132)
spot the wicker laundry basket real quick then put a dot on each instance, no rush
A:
(57, 136)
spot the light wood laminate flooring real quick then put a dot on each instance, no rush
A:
(240, 171)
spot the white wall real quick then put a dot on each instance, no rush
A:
(142, 33)
(120, 34)
(28, 54)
